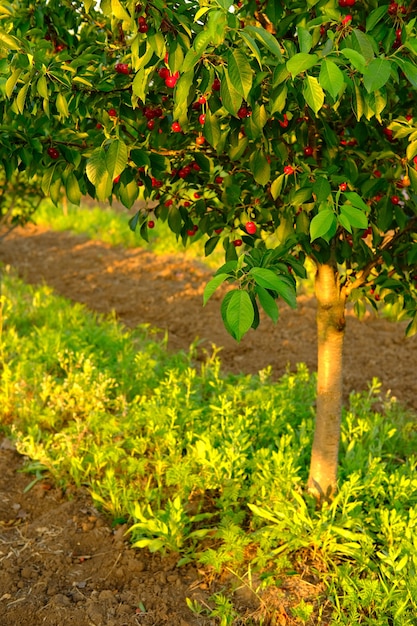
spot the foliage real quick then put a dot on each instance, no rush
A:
(285, 126)
(211, 466)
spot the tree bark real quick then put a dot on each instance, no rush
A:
(331, 302)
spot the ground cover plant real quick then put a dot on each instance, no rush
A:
(189, 458)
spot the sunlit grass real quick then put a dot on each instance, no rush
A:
(210, 466)
(112, 226)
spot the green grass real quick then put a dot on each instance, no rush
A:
(212, 467)
(112, 226)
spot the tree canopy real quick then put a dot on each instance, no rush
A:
(284, 129)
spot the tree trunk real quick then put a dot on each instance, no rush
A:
(331, 328)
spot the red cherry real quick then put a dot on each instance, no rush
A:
(196, 167)
(112, 112)
(218, 180)
(393, 8)
(116, 180)
(218, 231)
(350, 3)
(169, 202)
(156, 183)
(343, 186)
(53, 153)
(202, 100)
(377, 174)
(308, 151)
(202, 119)
(151, 124)
(346, 19)
(388, 134)
(395, 199)
(200, 140)
(122, 68)
(143, 25)
(415, 161)
(176, 127)
(151, 224)
(171, 81)
(237, 243)
(284, 123)
(242, 112)
(187, 204)
(163, 73)
(197, 195)
(216, 85)
(342, 3)
(250, 228)
(288, 170)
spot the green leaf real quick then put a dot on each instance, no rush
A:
(355, 199)
(363, 44)
(355, 217)
(72, 188)
(377, 74)
(278, 99)
(240, 73)
(212, 285)
(62, 105)
(11, 82)
(21, 97)
(266, 39)
(331, 78)
(301, 62)
(355, 58)
(128, 193)
(305, 39)
(238, 313)
(181, 97)
(412, 327)
(322, 189)
(252, 45)
(375, 16)
(268, 303)
(269, 279)
(9, 41)
(231, 99)
(260, 167)
(410, 71)
(116, 158)
(211, 244)
(212, 129)
(322, 224)
(98, 175)
(175, 220)
(96, 165)
(313, 93)
(42, 86)
(276, 186)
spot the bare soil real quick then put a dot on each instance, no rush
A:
(61, 562)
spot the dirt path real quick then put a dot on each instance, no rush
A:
(60, 563)
(166, 292)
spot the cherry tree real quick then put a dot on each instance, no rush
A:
(283, 132)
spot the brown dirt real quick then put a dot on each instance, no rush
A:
(61, 564)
